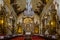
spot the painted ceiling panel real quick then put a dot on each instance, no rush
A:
(22, 4)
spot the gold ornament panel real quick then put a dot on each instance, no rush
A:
(28, 20)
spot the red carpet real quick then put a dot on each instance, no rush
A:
(18, 38)
(32, 38)
(2, 35)
(23, 38)
(37, 38)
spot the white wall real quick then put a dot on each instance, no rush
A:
(1, 2)
(58, 1)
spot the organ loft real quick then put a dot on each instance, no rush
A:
(29, 20)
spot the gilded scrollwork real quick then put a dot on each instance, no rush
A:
(30, 16)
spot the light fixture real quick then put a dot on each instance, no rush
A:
(1, 21)
(53, 23)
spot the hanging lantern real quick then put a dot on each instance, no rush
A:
(20, 30)
(1, 21)
(53, 23)
(47, 1)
